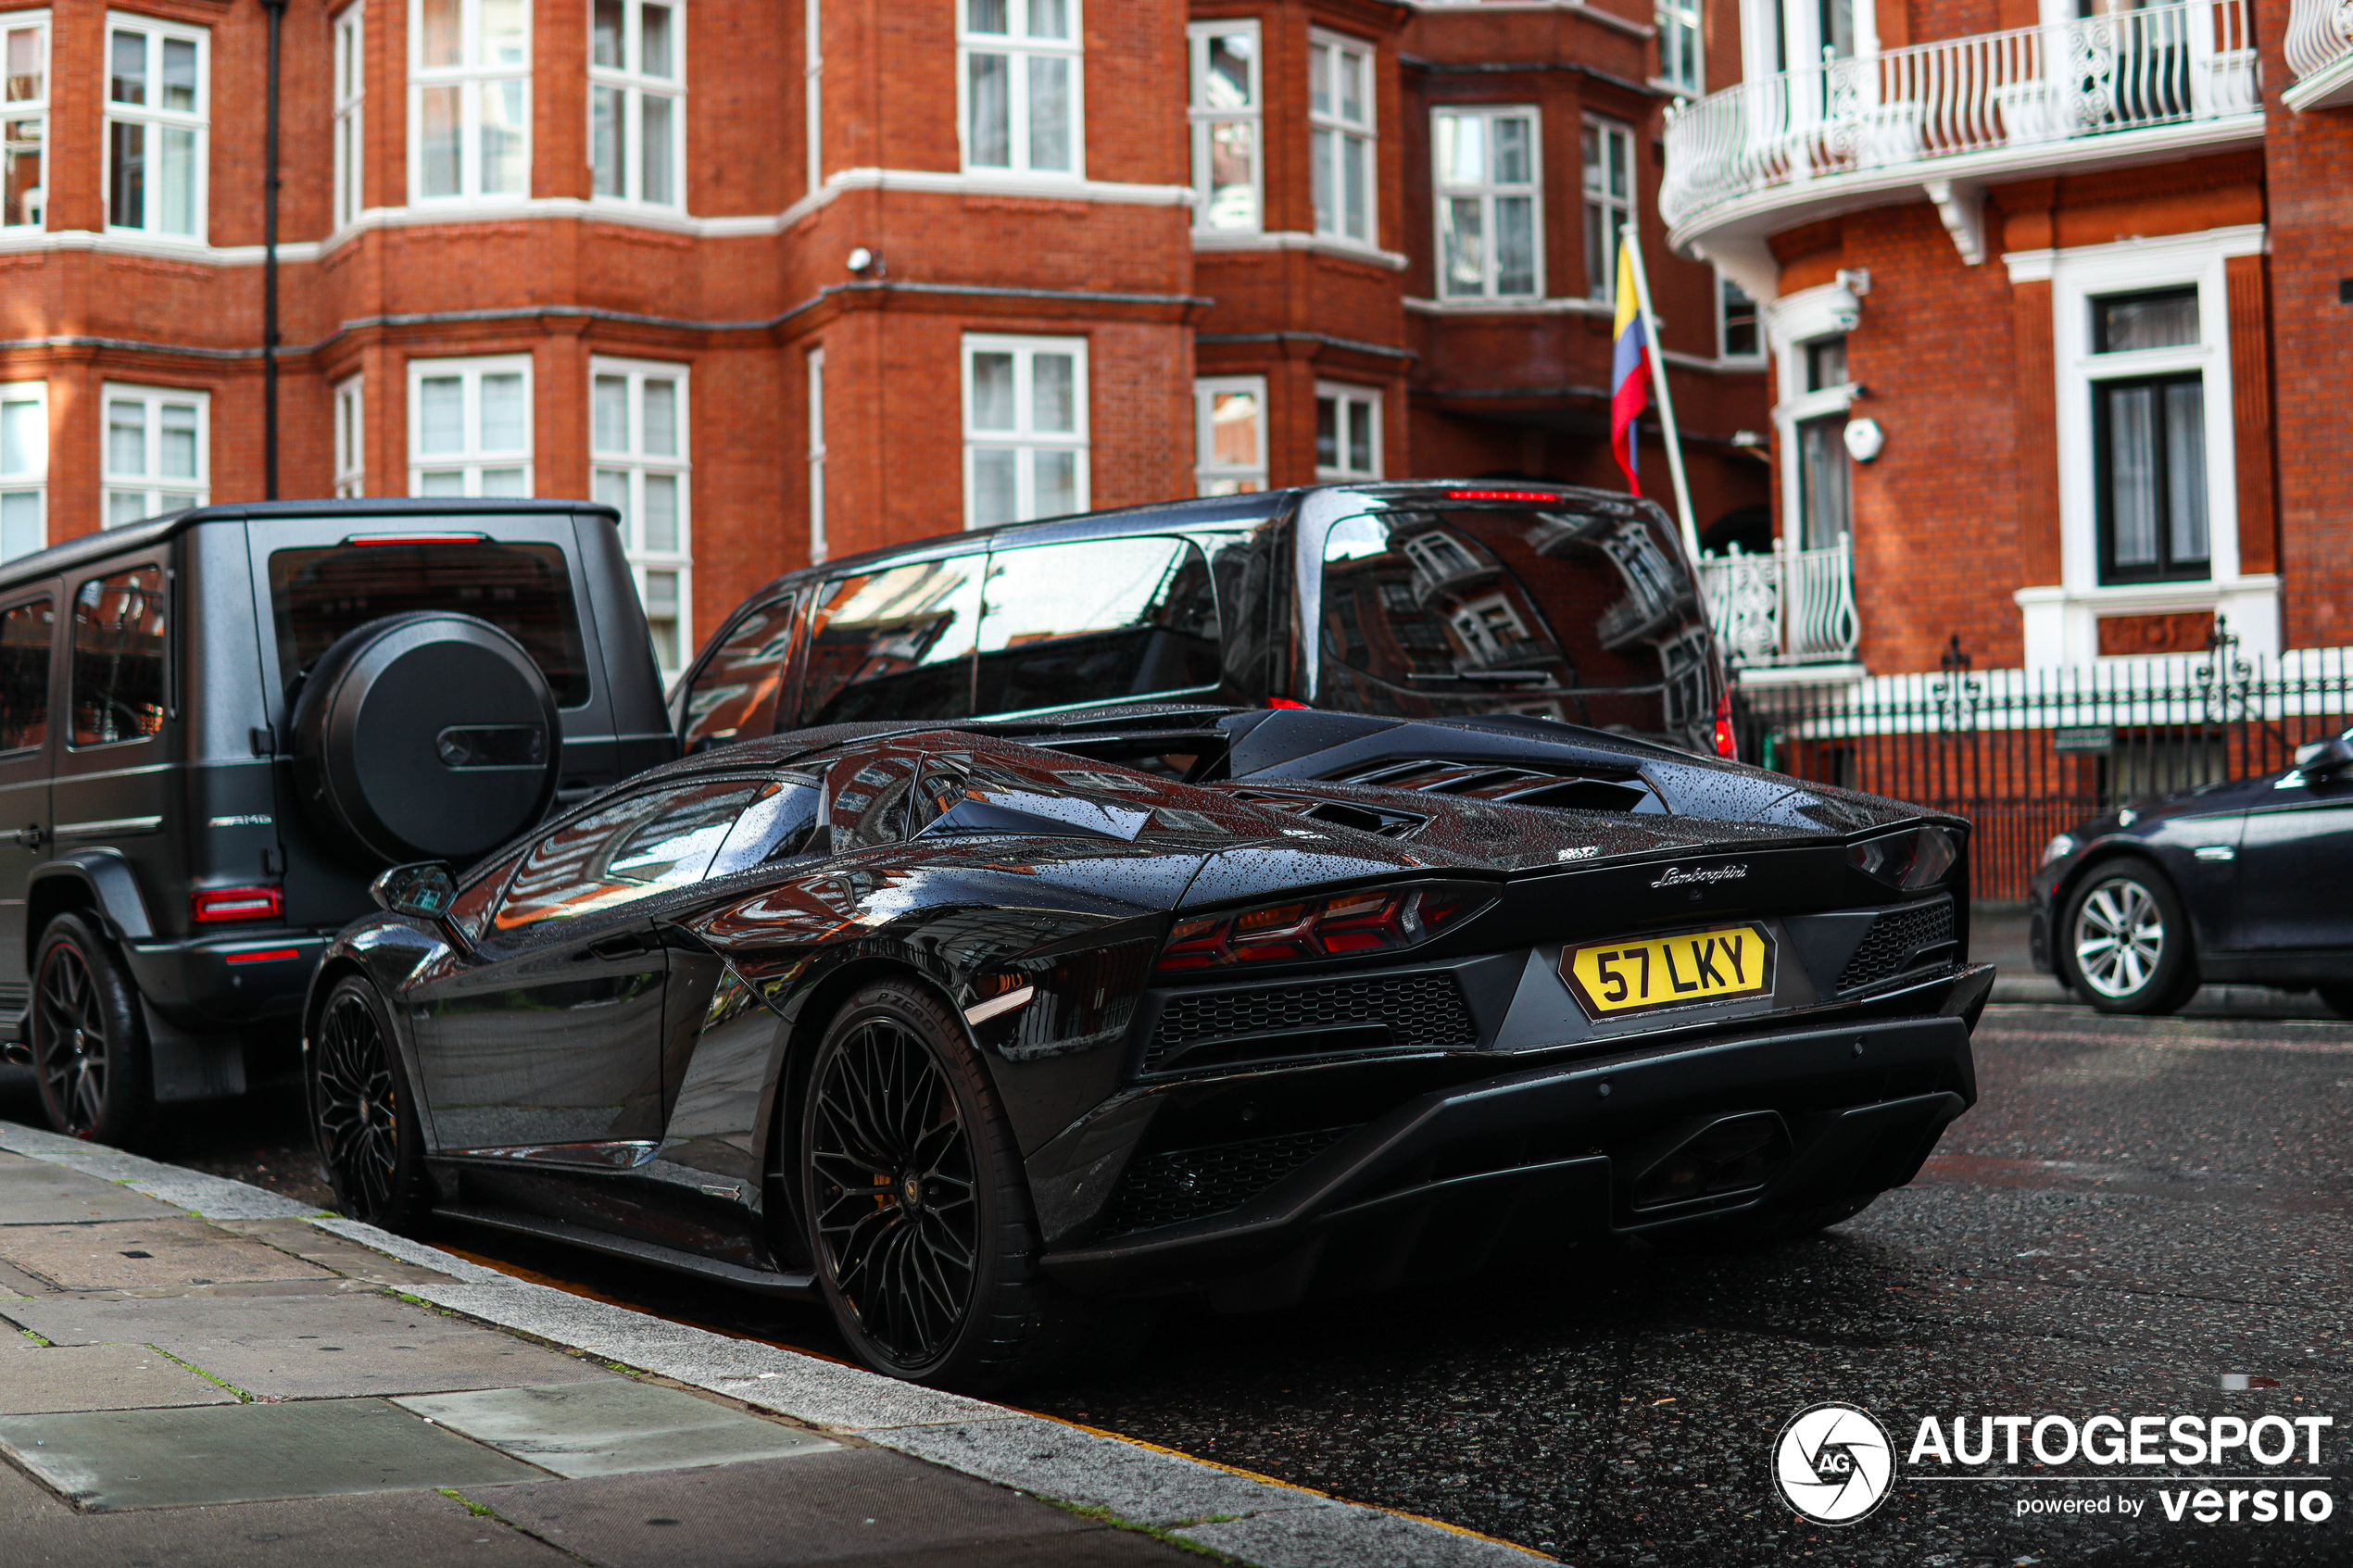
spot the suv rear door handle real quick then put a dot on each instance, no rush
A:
(628, 944)
(29, 836)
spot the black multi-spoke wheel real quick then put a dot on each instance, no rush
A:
(2126, 942)
(918, 1215)
(89, 1044)
(368, 1135)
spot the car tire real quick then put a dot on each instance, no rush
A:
(362, 1113)
(89, 1037)
(917, 1210)
(2125, 945)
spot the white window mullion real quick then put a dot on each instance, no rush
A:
(1009, 54)
(1228, 163)
(350, 90)
(817, 456)
(463, 54)
(1609, 201)
(158, 90)
(351, 466)
(1348, 432)
(1489, 211)
(1345, 166)
(637, 76)
(470, 426)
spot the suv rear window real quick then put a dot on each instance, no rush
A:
(1586, 617)
(524, 590)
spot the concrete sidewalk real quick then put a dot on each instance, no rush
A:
(197, 1371)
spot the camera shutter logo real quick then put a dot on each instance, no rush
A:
(1834, 1463)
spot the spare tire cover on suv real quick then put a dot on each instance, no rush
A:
(425, 736)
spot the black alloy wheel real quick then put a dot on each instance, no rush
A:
(2126, 944)
(362, 1111)
(89, 1042)
(918, 1216)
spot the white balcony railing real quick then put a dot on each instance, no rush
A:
(2319, 45)
(2032, 87)
(1788, 607)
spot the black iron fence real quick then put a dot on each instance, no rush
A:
(2025, 753)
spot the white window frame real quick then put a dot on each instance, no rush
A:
(633, 466)
(1349, 395)
(1205, 120)
(812, 74)
(2076, 283)
(156, 493)
(351, 436)
(474, 457)
(36, 109)
(1601, 272)
(1328, 127)
(350, 89)
(816, 455)
(470, 77)
(30, 477)
(633, 86)
(156, 120)
(1016, 44)
(1024, 438)
(1681, 43)
(1485, 190)
(1210, 476)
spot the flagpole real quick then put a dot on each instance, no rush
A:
(1665, 401)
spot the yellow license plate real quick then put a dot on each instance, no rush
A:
(1635, 973)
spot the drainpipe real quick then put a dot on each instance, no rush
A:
(276, 10)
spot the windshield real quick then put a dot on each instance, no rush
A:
(524, 590)
(1588, 617)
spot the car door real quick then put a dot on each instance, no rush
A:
(2295, 862)
(27, 637)
(550, 1031)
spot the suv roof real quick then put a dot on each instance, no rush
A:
(134, 535)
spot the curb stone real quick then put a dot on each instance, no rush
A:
(1258, 1521)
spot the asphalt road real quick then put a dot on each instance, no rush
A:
(2134, 1214)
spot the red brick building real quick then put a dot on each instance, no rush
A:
(797, 279)
(2057, 307)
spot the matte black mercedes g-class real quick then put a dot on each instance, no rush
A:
(218, 725)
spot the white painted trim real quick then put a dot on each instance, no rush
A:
(2244, 239)
(1732, 365)
(1296, 239)
(1476, 306)
(1593, 14)
(2328, 87)
(2062, 624)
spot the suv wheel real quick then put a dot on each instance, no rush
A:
(918, 1215)
(362, 1112)
(89, 1042)
(2126, 943)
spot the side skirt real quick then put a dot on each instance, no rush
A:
(799, 1286)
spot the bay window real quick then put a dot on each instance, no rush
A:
(636, 107)
(1490, 216)
(1229, 434)
(469, 99)
(1018, 70)
(1225, 125)
(350, 88)
(1025, 428)
(24, 119)
(157, 118)
(470, 426)
(1609, 202)
(1347, 432)
(1340, 130)
(637, 453)
(24, 468)
(157, 451)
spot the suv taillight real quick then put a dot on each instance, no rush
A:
(216, 905)
(1375, 921)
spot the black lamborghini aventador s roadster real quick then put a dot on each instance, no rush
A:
(984, 1036)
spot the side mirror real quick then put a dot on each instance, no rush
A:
(423, 888)
(2324, 757)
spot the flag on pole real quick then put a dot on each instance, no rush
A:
(1630, 370)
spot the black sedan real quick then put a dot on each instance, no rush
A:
(2243, 882)
(984, 1039)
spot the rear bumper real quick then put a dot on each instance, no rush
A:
(227, 981)
(1561, 1147)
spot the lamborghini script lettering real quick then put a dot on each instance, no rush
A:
(1676, 876)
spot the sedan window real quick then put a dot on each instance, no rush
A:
(633, 850)
(895, 644)
(734, 697)
(1095, 623)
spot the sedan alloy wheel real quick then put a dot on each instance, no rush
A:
(2127, 942)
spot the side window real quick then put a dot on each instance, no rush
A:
(24, 673)
(633, 850)
(117, 657)
(734, 697)
(894, 644)
(1095, 623)
(775, 827)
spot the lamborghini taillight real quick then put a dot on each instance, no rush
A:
(1374, 920)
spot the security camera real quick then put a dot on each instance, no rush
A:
(860, 259)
